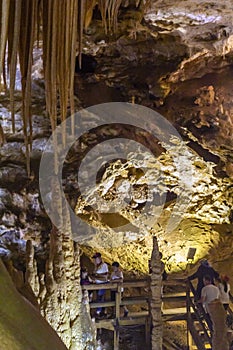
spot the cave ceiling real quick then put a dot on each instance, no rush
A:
(176, 59)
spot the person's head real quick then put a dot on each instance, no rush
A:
(205, 263)
(115, 265)
(97, 258)
(217, 280)
(225, 278)
(206, 280)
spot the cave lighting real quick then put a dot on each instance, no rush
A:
(191, 254)
(180, 258)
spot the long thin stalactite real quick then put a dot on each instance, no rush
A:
(60, 24)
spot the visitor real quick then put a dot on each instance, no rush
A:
(100, 275)
(203, 270)
(224, 288)
(86, 280)
(210, 298)
(117, 276)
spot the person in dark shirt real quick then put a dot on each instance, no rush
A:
(203, 270)
(85, 280)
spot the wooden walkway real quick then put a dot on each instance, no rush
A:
(182, 308)
(136, 318)
(142, 287)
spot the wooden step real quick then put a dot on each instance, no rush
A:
(105, 323)
(125, 301)
(174, 311)
(169, 345)
(122, 321)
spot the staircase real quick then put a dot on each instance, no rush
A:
(199, 333)
(198, 323)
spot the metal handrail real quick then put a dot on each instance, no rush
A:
(231, 297)
(197, 310)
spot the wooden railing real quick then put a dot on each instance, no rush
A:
(137, 318)
(197, 314)
(136, 300)
(117, 287)
(197, 320)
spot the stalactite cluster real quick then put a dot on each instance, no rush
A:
(59, 23)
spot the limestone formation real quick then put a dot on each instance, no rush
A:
(156, 301)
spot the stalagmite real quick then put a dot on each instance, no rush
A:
(156, 302)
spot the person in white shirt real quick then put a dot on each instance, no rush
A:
(100, 276)
(224, 288)
(210, 297)
(209, 293)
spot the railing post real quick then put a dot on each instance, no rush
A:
(118, 300)
(116, 335)
(117, 305)
(188, 320)
(148, 321)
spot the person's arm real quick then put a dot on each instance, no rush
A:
(193, 276)
(102, 274)
(104, 270)
(90, 279)
(117, 279)
(216, 274)
(203, 296)
(218, 295)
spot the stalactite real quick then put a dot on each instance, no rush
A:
(26, 42)
(89, 6)
(13, 42)
(81, 15)
(109, 11)
(62, 24)
(5, 7)
(156, 284)
(58, 290)
(72, 61)
(60, 20)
